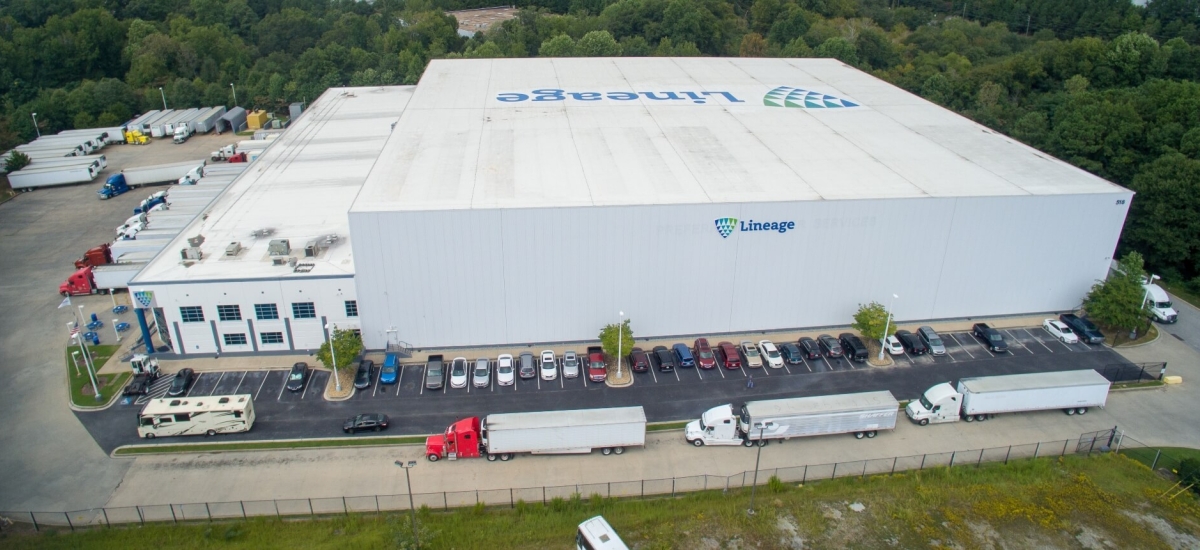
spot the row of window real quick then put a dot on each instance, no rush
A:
(262, 312)
(239, 339)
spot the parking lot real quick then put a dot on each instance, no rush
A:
(262, 384)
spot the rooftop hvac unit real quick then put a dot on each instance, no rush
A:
(279, 247)
(191, 253)
(311, 249)
(279, 260)
(233, 249)
(195, 241)
(262, 232)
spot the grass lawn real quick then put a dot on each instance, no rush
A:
(1180, 291)
(269, 445)
(110, 384)
(1100, 502)
(1117, 337)
(667, 426)
(1168, 459)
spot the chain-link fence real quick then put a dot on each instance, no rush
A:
(1156, 457)
(205, 511)
(1133, 372)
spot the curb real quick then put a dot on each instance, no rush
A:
(608, 383)
(80, 408)
(1138, 388)
(1135, 346)
(114, 454)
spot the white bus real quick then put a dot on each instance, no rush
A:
(208, 415)
(597, 534)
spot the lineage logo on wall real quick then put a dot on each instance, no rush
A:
(725, 226)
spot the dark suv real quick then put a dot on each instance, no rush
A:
(812, 350)
(435, 373)
(638, 360)
(1087, 331)
(525, 366)
(854, 347)
(830, 345)
(991, 337)
(912, 344)
(792, 354)
(664, 358)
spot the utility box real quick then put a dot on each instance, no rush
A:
(278, 247)
(256, 120)
(295, 109)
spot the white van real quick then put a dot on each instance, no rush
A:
(1160, 304)
(597, 534)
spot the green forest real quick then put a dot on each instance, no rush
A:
(1104, 84)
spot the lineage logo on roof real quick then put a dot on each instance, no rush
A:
(787, 96)
(555, 94)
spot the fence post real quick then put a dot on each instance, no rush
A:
(511, 503)
(1157, 454)
(275, 503)
(672, 487)
(445, 501)
(544, 495)
(345, 510)
(69, 523)
(243, 505)
(923, 457)
(105, 512)
(952, 455)
(834, 474)
(142, 518)
(376, 505)
(1065, 443)
(894, 459)
(644, 486)
(1036, 449)
(207, 512)
(310, 508)
(35, 525)
(1090, 447)
(977, 464)
(173, 518)
(864, 474)
(1009, 453)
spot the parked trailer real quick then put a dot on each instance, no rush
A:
(146, 175)
(47, 154)
(861, 414)
(100, 279)
(122, 247)
(249, 145)
(113, 135)
(207, 120)
(61, 175)
(100, 161)
(139, 123)
(192, 191)
(224, 169)
(500, 436)
(154, 234)
(1073, 391)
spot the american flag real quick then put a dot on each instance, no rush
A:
(74, 331)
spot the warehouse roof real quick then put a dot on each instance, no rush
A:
(300, 188)
(498, 133)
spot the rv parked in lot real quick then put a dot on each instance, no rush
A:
(208, 415)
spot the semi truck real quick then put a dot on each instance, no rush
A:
(757, 422)
(146, 175)
(1159, 303)
(150, 202)
(96, 255)
(31, 178)
(100, 279)
(502, 436)
(981, 398)
(182, 133)
(145, 372)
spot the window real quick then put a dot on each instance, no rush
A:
(192, 314)
(266, 312)
(304, 310)
(271, 337)
(235, 339)
(229, 313)
(351, 308)
(183, 417)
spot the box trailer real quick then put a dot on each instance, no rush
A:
(147, 175)
(100, 161)
(501, 436)
(224, 169)
(153, 234)
(861, 414)
(59, 175)
(207, 121)
(139, 122)
(122, 247)
(113, 135)
(1074, 392)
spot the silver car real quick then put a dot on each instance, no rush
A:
(481, 375)
(932, 340)
(570, 364)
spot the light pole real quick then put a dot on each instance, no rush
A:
(86, 360)
(164, 96)
(620, 336)
(337, 382)
(886, 326)
(234, 94)
(412, 511)
(35, 128)
(762, 427)
(115, 332)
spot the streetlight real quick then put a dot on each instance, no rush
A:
(762, 427)
(620, 335)
(887, 325)
(35, 128)
(337, 382)
(234, 94)
(164, 96)
(86, 359)
(115, 332)
(412, 512)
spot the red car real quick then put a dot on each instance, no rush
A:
(704, 354)
(729, 356)
(638, 361)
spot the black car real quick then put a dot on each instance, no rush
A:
(912, 344)
(179, 385)
(853, 346)
(295, 380)
(1084, 328)
(792, 354)
(830, 346)
(991, 337)
(526, 368)
(812, 350)
(638, 361)
(435, 372)
(362, 378)
(664, 358)
(370, 422)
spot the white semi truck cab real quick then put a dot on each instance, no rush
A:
(938, 404)
(717, 426)
(981, 398)
(1160, 304)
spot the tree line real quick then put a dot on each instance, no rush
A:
(1104, 84)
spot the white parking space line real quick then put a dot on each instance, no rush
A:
(1018, 341)
(378, 377)
(307, 383)
(214, 390)
(675, 371)
(194, 382)
(282, 386)
(720, 370)
(562, 375)
(261, 384)
(961, 346)
(420, 383)
(239, 386)
(652, 369)
(1039, 340)
(1064, 344)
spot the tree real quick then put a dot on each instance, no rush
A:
(559, 46)
(1118, 302)
(598, 44)
(1164, 219)
(838, 48)
(16, 161)
(871, 321)
(753, 45)
(347, 343)
(608, 339)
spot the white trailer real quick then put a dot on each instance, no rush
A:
(211, 415)
(116, 275)
(161, 173)
(159, 128)
(207, 120)
(861, 414)
(116, 134)
(192, 191)
(248, 145)
(153, 235)
(1074, 392)
(139, 123)
(45, 154)
(59, 175)
(123, 247)
(52, 148)
(225, 169)
(564, 432)
(100, 161)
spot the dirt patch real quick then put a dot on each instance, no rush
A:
(1166, 531)
(791, 535)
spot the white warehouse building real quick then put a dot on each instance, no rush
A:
(530, 200)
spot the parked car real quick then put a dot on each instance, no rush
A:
(683, 356)
(1060, 330)
(664, 358)
(991, 337)
(893, 345)
(181, 382)
(812, 350)
(770, 354)
(638, 360)
(1083, 328)
(458, 372)
(932, 340)
(912, 344)
(481, 375)
(525, 366)
(296, 378)
(390, 372)
(729, 356)
(830, 346)
(705, 358)
(753, 357)
(362, 378)
(853, 347)
(549, 366)
(792, 354)
(435, 373)
(504, 370)
(370, 422)
(570, 364)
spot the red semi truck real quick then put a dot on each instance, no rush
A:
(501, 436)
(99, 279)
(97, 255)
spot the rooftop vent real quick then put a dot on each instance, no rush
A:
(279, 247)
(195, 241)
(191, 253)
(233, 249)
(262, 232)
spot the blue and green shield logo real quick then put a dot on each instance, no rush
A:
(725, 226)
(787, 96)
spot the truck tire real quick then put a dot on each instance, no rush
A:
(981, 417)
(606, 451)
(969, 418)
(619, 450)
(1082, 410)
(698, 442)
(1070, 412)
(150, 436)
(491, 458)
(763, 442)
(210, 433)
(505, 457)
(924, 422)
(432, 457)
(871, 434)
(859, 435)
(748, 443)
